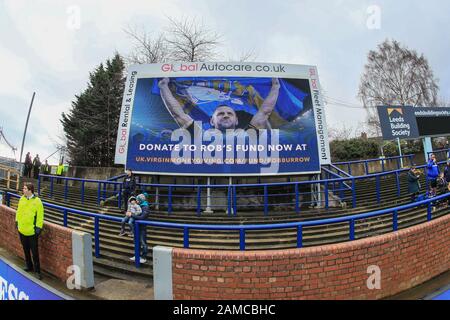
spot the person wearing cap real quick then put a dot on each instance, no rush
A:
(413, 182)
(133, 209)
(142, 201)
(29, 223)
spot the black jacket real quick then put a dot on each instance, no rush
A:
(413, 182)
(129, 184)
(447, 174)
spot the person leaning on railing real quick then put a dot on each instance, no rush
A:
(29, 223)
(143, 247)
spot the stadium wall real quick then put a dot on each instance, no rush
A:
(406, 258)
(59, 248)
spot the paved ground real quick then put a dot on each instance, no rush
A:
(426, 291)
(105, 288)
(113, 289)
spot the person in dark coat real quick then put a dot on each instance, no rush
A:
(45, 169)
(447, 172)
(128, 187)
(413, 182)
(36, 166)
(143, 215)
(28, 166)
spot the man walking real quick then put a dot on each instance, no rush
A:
(29, 223)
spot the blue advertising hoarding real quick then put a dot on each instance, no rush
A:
(16, 286)
(199, 124)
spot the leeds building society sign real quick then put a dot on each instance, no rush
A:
(398, 122)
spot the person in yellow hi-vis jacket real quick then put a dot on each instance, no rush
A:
(29, 223)
(59, 172)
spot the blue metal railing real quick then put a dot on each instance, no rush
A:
(384, 162)
(105, 188)
(235, 197)
(351, 220)
(115, 178)
(441, 154)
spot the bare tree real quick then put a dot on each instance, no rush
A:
(396, 75)
(182, 40)
(342, 133)
(147, 49)
(373, 123)
(244, 56)
(190, 40)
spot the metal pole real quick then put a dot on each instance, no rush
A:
(26, 127)
(157, 195)
(208, 198)
(319, 193)
(230, 210)
(400, 152)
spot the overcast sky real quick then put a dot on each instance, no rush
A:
(42, 48)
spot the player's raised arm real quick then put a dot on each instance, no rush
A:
(175, 108)
(260, 119)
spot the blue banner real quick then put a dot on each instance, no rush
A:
(222, 126)
(16, 286)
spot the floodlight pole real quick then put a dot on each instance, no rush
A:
(26, 126)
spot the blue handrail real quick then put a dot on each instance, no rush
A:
(447, 153)
(241, 228)
(115, 178)
(367, 161)
(342, 172)
(374, 159)
(338, 185)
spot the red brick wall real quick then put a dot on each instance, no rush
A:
(55, 243)
(406, 258)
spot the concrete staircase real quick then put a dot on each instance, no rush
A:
(116, 251)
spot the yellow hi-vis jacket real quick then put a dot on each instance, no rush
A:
(29, 214)
(60, 170)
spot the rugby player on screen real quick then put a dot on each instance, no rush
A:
(224, 117)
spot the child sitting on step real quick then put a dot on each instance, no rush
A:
(133, 209)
